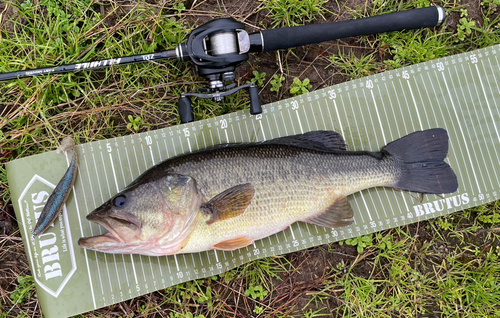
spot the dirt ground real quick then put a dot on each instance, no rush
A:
(305, 62)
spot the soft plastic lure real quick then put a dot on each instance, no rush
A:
(61, 192)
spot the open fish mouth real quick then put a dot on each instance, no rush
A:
(100, 242)
(122, 231)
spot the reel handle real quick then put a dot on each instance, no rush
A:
(185, 109)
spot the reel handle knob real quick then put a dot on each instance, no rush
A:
(185, 109)
(255, 107)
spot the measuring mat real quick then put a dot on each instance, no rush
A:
(459, 93)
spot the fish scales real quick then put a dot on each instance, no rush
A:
(229, 196)
(290, 183)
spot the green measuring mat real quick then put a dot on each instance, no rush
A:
(459, 93)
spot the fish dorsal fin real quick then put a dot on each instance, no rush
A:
(228, 204)
(233, 244)
(334, 216)
(323, 140)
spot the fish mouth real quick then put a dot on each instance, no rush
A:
(104, 242)
(123, 230)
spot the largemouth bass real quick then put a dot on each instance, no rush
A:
(227, 197)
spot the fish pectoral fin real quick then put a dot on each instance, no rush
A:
(335, 215)
(228, 204)
(233, 244)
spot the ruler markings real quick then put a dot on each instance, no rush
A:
(401, 133)
(338, 117)
(284, 126)
(195, 265)
(82, 232)
(100, 232)
(429, 125)
(475, 148)
(239, 128)
(291, 121)
(370, 148)
(314, 117)
(402, 116)
(269, 126)
(382, 131)
(305, 116)
(362, 147)
(415, 105)
(276, 123)
(255, 131)
(248, 134)
(100, 282)
(204, 139)
(391, 134)
(381, 126)
(234, 135)
(322, 117)
(480, 126)
(496, 83)
(176, 263)
(211, 138)
(227, 137)
(487, 102)
(329, 114)
(465, 141)
(300, 123)
(434, 117)
(451, 144)
(392, 113)
(182, 144)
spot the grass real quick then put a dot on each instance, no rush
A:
(447, 267)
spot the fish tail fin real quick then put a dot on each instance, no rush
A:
(420, 156)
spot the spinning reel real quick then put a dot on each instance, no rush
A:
(219, 46)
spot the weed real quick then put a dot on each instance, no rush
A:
(276, 83)
(361, 242)
(464, 27)
(136, 122)
(311, 314)
(258, 78)
(179, 7)
(256, 292)
(300, 87)
(407, 48)
(258, 310)
(384, 241)
(353, 66)
(294, 12)
(25, 288)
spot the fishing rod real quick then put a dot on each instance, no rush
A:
(219, 46)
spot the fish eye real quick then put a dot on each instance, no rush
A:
(120, 201)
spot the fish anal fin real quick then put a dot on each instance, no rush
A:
(334, 216)
(229, 204)
(233, 244)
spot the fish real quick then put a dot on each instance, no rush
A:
(227, 197)
(58, 197)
